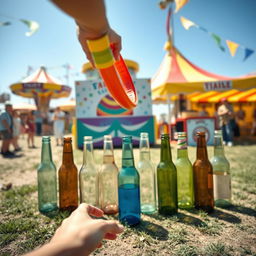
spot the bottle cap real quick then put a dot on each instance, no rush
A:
(67, 139)
(144, 135)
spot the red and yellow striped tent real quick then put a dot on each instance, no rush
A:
(177, 74)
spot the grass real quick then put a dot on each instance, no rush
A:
(189, 233)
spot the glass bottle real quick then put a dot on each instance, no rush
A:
(88, 175)
(128, 186)
(47, 180)
(184, 174)
(166, 179)
(147, 177)
(221, 173)
(68, 180)
(108, 195)
(203, 177)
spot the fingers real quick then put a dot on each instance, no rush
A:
(90, 210)
(112, 227)
(110, 236)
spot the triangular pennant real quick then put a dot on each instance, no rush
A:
(217, 40)
(180, 4)
(187, 24)
(5, 23)
(232, 46)
(32, 25)
(248, 52)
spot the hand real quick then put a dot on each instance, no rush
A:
(114, 39)
(83, 233)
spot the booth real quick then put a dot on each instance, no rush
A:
(98, 114)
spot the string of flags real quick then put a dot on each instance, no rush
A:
(32, 25)
(232, 46)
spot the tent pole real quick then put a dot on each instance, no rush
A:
(169, 108)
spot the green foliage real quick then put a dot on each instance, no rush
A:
(217, 249)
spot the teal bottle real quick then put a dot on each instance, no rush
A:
(128, 186)
(166, 180)
(147, 177)
(184, 174)
(47, 180)
(221, 173)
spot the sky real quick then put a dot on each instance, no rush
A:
(142, 25)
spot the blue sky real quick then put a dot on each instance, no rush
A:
(142, 26)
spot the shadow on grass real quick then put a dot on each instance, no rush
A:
(153, 230)
(225, 216)
(242, 210)
(189, 220)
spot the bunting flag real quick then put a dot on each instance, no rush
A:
(232, 46)
(32, 25)
(248, 53)
(180, 4)
(5, 23)
(187, 24)
(217, 40)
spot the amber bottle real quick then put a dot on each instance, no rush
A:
(203, 177)
(68, 179)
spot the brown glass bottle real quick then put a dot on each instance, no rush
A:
(203, 177)
(68, 179)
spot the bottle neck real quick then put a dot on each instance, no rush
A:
(88, 157)
(165, 150)
(67, 153)
(127, 155)
(218, 146)
(144, 149)
(46, 154)
(201, 152)
(182, 151)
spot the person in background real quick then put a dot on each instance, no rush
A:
(226, 117)
(30, 129)
(253, 130)
(6, 130)
(16, 130)
(203, 112)
(58, 125)
(38, 121)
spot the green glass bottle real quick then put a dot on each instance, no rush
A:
(221, 173)
(88, 175)
(108, 195)
(147, 177)
(128, 186)
(47, 180)
(184, 174)
(166, 180)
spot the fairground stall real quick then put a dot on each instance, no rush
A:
(98, 114)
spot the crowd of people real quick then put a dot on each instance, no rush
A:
(13, 124)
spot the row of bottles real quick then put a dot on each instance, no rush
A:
(130, 191)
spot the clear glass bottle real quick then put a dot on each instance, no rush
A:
(203, 177)
(184, 174)
(88, 175)
(47, 180)
(68, 179)
(221, 173)
(128, 186)
(147, 177)
(166, 180)
(108, 195)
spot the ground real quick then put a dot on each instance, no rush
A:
(229, 231)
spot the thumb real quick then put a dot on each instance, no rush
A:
(112, 227)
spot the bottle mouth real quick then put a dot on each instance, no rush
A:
(67, 139)
(144, 135)
(46, 138)
(87, 138)
(107, 137)
(127, 138)
(165, 136)
(200, 134)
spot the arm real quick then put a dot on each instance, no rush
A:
(90, 16)
(6, 125)
(80, 234)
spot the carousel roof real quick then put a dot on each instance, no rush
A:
(40, 83)
(177, 74)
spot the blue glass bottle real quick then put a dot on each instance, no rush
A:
(128, 186)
